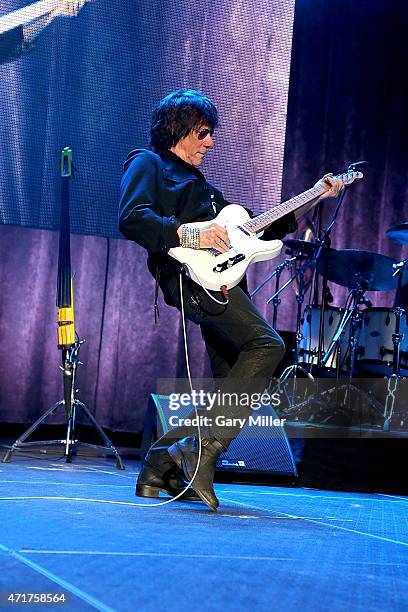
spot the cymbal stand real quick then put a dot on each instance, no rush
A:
(325, 243)
(276, 300)
(358, 294)
(353, 315)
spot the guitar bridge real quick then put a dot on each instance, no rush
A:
(228, 263)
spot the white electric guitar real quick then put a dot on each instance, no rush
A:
(213, 270)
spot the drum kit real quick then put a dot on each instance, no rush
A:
(346, 345)
(349, 344)
(357, 340)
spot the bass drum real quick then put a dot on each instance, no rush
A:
(375, 352)
(308, 347)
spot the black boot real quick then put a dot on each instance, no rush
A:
(185, 455)
(160, 473)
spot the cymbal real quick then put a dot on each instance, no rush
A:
(301, 247)
(398, 233)
(349, 267)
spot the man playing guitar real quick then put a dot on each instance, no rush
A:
(164, 198)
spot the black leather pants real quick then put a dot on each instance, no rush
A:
(243, 348)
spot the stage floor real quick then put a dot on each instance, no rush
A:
(75, 529)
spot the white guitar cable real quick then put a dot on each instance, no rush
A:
(176, 497)
(212, 297)
(199, 282)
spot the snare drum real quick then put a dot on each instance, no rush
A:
(308, 347)
(376, 349)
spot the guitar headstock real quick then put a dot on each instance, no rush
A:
(347, 178)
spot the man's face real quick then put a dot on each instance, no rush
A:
(193, 147)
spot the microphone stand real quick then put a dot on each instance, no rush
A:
(277, 272)
(318, 220)
(276, 300)
(275, 297)
(325, 243)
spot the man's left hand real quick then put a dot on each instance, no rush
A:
(335, 184)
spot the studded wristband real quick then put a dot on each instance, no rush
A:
(190, 237)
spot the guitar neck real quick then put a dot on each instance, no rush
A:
(264, 220)
(26, 15)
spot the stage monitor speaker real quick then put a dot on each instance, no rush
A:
(261, 447)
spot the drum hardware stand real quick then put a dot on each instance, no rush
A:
(276, 301)
(68, 341)
(324, 244)
(300, 296)
(354, 317)
(397, 338)
(335, 342)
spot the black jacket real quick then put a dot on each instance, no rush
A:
(158, 194)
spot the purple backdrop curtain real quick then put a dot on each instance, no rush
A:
(347, 101)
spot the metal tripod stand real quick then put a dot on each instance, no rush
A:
(70, 361)
(68, 340)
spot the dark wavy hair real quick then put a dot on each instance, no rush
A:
(178, 114)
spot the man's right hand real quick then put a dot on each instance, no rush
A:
(214, 237)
